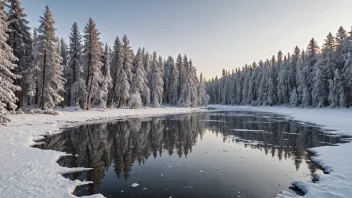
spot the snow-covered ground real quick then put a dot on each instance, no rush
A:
(34, 173)
(336, 160)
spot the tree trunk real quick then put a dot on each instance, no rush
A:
(42, 96)
(88, 106)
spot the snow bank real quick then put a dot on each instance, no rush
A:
(34, 173)
(336, 160)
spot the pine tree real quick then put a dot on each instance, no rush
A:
(116, 71)
(185, 92)
(181, 72)
(21, 42)
(293, 97)
(140, 82)
(7, 87)
(66, 70)
(107, 82)
(339, 88)
(92, 63)
(347, 76)
(156, 82)
(173, 81)
(48, 60)
(202, 95)
(125, 77)
(193, 81)
(251, 86)
(310, 61)
(78, 87)
(319, 89)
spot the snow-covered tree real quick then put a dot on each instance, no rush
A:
(135, 100)
(173, 82)
(339, 89)
(202, 95)
(180, 72)
(293, 97)
(193, 82)
(166, 78)
(319, 90)
(156, 82)
(125, 76)
(7, 87)
(185, 92)
(21, 42)
(116, 69)
(106, 84)
(92, 63)
(78, 87)
(140, 82)
(66, 70)
(48, 60)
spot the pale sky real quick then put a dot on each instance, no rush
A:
(215, 34)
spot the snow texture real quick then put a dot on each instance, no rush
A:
(335, 160)
(33, 173)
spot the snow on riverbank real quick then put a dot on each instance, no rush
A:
(34, 173)
(336, 160)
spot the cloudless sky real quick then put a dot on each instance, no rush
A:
(215, 34)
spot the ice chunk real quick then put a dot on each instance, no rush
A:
(134, 185)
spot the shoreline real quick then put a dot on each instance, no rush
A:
(335, 160)
(32, 172)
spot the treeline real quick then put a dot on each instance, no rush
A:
(43, 70)
(312, 78)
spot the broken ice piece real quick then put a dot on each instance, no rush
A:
(134, 185)
(201, 171)
(144, 189)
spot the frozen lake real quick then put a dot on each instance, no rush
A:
(222, 154)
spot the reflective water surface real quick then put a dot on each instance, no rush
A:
(226, 154)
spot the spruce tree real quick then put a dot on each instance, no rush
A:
(20, 41)
(202, 95)
(92, 63)
(156, 82)
(125, 77)
(107, 81)
(116, 69)
(7, 86)
(173, 81)
(78, 86)
(66, 70)
(48, 60)
(140, 82)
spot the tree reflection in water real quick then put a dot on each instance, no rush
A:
(124, 143)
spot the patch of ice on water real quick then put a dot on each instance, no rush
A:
(134, 185)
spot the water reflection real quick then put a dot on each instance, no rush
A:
(119, 149)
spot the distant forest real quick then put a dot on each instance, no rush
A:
(315, 77)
